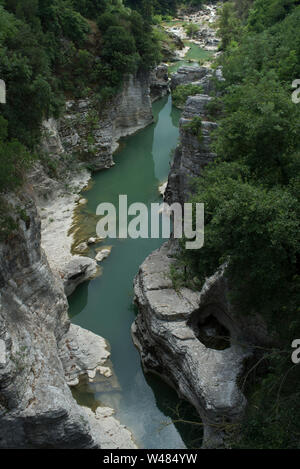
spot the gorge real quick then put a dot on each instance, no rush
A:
(102, 376)
(129, 343)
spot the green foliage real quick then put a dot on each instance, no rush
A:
(49, 50)
(195, 128)
(7, 223)
(119, 50)
(214, 109)
(262, 129)
(90, 8)
(14, 160)
(128, 44)
(182, 92)
(265, 13)
(230, 27)
(242, 8)
(191, 29)
(255, 231)
(272, 419)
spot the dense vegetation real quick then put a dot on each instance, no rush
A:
(53, 49)
(182, 92)
(46, 47)
(162, 7)
(251, 195)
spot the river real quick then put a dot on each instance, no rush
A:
(145, 404)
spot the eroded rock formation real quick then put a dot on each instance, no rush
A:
(191, 339)
(86, 135)
(193, 154)
(37, 409)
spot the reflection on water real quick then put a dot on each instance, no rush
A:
(145, 404)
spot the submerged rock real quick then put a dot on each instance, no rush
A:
(108, 430)
(104, 253)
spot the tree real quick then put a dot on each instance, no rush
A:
(261, 129)
(255, 231)
(191, 29)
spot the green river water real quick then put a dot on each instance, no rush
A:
(144, 403)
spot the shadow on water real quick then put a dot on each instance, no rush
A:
(104, 305)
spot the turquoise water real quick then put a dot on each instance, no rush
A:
(192, 58)
(143, 403)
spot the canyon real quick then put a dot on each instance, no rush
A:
(43, 356)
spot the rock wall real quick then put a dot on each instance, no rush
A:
(191, 340)
(37, 409)
(93, 133)
(192, 155)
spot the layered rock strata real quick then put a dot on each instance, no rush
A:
(37, 409)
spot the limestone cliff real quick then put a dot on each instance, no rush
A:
(37, 409)
(191, 340)
(192, 155)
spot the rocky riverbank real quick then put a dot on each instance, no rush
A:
(84, 137)
(40, 353)
(205, 19)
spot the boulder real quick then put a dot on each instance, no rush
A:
(186, 75)
(76, 271)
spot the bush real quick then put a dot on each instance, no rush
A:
(182, 92)
(14, 160)
(195, 127)
(191, 30)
